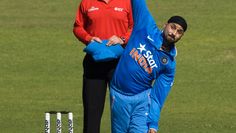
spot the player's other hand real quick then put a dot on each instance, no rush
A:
(152, 131)
(114, 40)
(97, 39)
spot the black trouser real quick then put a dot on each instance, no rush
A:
(96, 77)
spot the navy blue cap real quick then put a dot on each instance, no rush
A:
(179, 20)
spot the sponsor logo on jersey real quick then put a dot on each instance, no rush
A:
(144, 58)
(118, 9)
(93, 9)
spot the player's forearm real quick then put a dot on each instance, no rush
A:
(154, 114)
(81, 34)
(159, 93)
(130, 26)
(140, 13)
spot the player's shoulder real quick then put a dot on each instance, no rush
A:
(88, 1)
(124, 2)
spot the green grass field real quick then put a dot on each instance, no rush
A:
(41, 66)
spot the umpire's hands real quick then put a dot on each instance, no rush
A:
(96, 39)
(114, 40)
(152, 131)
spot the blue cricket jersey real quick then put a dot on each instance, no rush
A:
(143, 62)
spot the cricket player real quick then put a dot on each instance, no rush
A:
(145, 72)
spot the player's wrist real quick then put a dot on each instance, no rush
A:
(88, 38)
(152, 130)
(123, 39)
(153, 126)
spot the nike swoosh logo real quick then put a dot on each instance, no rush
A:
(149, 38)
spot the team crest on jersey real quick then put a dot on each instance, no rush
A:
(164, 60)
(144, 58)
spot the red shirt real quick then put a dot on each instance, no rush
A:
(103, 20)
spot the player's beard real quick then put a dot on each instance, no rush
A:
(170, 38)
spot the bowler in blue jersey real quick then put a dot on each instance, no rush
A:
(145, 72)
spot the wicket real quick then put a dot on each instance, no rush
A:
(58, 121)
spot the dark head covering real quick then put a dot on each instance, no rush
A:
(178, 20)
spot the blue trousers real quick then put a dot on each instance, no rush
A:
(129, 113)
